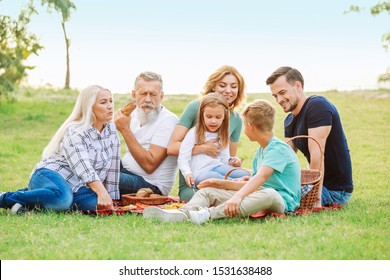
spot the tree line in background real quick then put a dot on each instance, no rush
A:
(17, 44)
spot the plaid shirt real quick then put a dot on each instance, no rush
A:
(88, 156)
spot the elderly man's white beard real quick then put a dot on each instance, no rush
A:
(145, 115)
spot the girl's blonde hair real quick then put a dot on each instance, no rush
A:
(213, 100)
(81, 115)
(218, 75)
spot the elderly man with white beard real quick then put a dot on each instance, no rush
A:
(147, 131)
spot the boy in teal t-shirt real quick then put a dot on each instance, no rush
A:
(273, 187)
(282, 159)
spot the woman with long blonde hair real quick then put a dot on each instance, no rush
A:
(80, 165)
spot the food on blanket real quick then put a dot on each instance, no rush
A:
(144, 192)
(129, 207)
(174, 205)
(129, 107)
(141, 206)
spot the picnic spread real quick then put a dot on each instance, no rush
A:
(121, 208)
(124, 206)
(310, 185)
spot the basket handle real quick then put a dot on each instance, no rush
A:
(315, 140)
(233, 169)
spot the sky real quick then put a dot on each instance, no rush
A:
(185, 41)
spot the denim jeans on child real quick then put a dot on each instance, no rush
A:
(219, 172)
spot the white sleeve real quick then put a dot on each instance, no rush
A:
(185, 153)
(225, 155)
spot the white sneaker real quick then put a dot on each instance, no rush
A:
(164, 215)
(199, 217)
(18, 209)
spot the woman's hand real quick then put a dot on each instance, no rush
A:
(210, 148)
(105, 202)
(232, 206)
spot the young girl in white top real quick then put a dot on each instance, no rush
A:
(213, 124)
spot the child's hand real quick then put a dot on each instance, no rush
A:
(232, 206)
(190, 181)
(214, 183)
(235, 161)
(242, 179)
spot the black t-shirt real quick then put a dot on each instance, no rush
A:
(318, 111)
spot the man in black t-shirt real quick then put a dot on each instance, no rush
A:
(317, 117)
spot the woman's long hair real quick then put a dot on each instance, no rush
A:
(81, 115)
(213, 100)
(218, 75)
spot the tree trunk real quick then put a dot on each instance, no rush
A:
(67, 43)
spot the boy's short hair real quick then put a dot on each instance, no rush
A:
(261, 114)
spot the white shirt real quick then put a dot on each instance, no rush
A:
(196, 164)
(157, 133)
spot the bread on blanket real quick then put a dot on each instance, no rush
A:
(129, 107)
(144, 192)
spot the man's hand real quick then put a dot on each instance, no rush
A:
(122, 122)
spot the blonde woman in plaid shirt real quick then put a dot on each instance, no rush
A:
(80, 165)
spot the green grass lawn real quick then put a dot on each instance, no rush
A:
(359, 231)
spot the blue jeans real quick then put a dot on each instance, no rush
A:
(48, 190)
(131, 183)
(219, 173)
(85, 199)
(329, 197)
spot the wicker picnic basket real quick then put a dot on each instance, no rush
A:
(128, 199)
(236, 168)
(310, 177)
